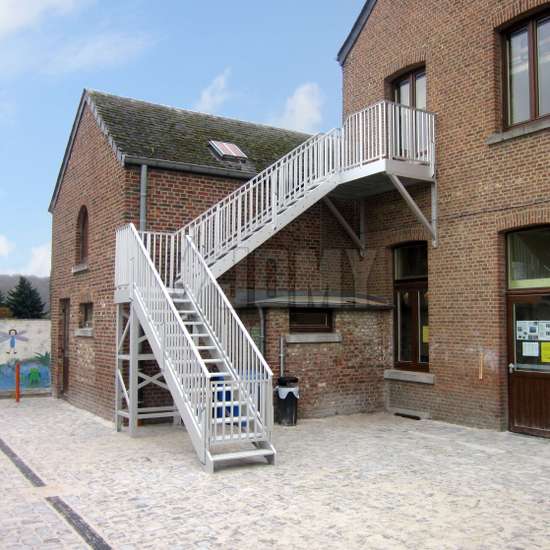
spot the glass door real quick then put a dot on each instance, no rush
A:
(529, 363)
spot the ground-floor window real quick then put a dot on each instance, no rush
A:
(412, 324)
(310, 320)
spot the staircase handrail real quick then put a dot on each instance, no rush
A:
(243, 359)
(265, 196)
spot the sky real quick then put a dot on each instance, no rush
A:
(271, 61)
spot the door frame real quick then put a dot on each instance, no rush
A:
(65, 327)
(513, 297)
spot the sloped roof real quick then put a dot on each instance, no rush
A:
(152, 131)
(147, 133)
(360, 22)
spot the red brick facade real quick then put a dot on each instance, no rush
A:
(312, 254)
(484, 191)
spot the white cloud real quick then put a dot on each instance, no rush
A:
(99, 50)
(5, 246)
(31, 47)
(16, 15)
(303, 109)
(215, 94)
(40, 261)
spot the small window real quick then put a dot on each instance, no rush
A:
(82, 237)
(86, 315)
(527, 70)
(227, 151)
(311, 320)
(529, 258)
(411, 261)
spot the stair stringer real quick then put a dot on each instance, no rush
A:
(165, 365)
(288, 215)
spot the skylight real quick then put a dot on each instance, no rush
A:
(228, 151)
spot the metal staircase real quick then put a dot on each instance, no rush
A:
(220, 382)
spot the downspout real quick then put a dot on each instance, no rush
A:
(282, 355)
(143, 198)
(262, 329)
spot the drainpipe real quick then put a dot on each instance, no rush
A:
(262, 329)
(143, 198)
(282, 355)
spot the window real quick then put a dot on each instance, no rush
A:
(410, 89)
(227, 151)
(529, 258)
(527, 70)
(412, 323)
(82, 237)
(311, 320)
(86, 319)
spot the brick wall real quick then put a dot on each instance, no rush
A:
(483, 191)
(94, 179)
(311, 254)
(338, 377)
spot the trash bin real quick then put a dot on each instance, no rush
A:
(287, 395)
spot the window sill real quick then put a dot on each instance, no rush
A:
(524, 130)
(80, 268)
(84, 332)
(409, 376)
(314, 338)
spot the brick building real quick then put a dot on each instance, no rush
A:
(390, 264)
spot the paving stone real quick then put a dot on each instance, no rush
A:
(362, 481)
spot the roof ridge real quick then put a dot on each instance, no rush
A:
(181, 109)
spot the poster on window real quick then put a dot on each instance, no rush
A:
(527, 330)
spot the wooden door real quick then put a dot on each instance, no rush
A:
(529, 363)
(64, 340)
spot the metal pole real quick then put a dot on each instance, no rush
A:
(133, 376)
(17, 381)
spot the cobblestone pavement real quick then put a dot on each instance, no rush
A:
(363, 481)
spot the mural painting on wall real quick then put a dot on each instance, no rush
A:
(26, 342)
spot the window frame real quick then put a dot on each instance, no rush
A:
(411, 77)
(521, 290)
(313, 327)
(86, 317)
(529, 22)
(415, 285)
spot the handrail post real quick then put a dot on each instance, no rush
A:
(273, 201)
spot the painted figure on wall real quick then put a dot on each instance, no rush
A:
(26, 344)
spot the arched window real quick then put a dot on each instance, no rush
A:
(82, 237)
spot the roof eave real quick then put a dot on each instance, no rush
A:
(358, 26)
(85, 99)
(68, 150)
(188, 167)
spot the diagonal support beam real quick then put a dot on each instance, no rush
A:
(431, 227)
(343, 222)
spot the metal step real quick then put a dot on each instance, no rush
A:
(234, 420)
(238, 455)
(243, 437)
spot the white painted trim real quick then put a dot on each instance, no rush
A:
(84, 332)
(314, 338)
(409, 376)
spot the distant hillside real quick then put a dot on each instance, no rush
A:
(42, 284)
